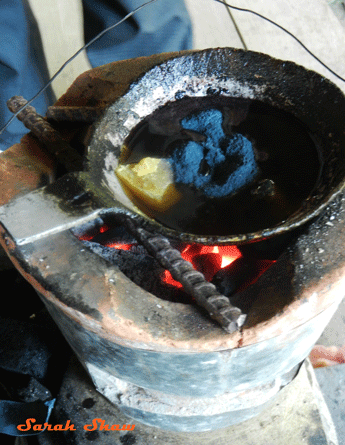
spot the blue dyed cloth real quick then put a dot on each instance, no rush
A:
(162, 26)
(218, 166)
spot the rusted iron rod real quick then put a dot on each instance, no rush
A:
(46, 133)
(206, 295)
(81, 114)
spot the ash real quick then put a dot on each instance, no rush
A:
(138, 266)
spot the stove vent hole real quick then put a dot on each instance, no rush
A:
(224, 266)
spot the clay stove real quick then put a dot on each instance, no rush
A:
(164, 363)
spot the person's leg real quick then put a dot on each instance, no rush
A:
(162, 26)
(22, 66)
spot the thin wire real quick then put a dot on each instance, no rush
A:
(236, 8)
(285, 30)
(72, 58)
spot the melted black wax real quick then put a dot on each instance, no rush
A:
(286, 168)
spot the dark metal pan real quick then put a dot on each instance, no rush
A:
(192, 82)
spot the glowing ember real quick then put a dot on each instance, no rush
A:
(209, 260)
(86, 237)
(206, 259)
(104, 228)
(168, 279)
(120, 245)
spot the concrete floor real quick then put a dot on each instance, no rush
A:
(334, 334)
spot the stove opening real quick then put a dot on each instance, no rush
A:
(225, 266)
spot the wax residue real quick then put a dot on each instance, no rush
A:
(208, 172)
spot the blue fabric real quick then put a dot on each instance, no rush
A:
(221, 164)
(13, 414)
(22, 70)
(162, 26)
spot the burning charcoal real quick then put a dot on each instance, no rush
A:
(207, 264)
(108, 236)
(90, 229)
(239, 275)
(191, 250)
(140, 267)
(229, 279)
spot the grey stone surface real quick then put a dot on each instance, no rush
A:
(332, 383)
(334, 334)
(298, 415)
(338, 7)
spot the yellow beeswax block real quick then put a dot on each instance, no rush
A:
(152, 181)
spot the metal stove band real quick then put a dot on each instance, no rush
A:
(106, 320)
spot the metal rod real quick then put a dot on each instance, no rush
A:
(86, 115)
(206, 295)
(47, 134)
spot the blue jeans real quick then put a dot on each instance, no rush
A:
(160, 27)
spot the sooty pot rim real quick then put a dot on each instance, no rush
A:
(233, 73)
